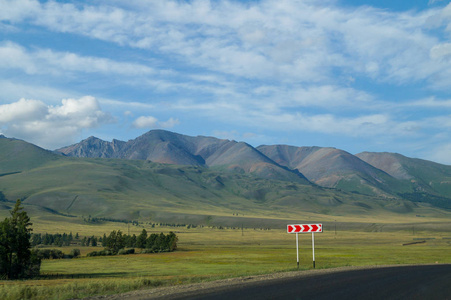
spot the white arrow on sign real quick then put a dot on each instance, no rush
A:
(301, 228)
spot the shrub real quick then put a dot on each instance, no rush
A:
(75, 253)
(125, 252)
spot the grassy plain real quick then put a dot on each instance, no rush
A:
(59, 192)
(209, 254)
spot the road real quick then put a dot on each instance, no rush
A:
(395, 282)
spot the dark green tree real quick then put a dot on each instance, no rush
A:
(141, 239)
(115, 241)
(131, 241)
(16, 258)
(93, 241)
(171, 241)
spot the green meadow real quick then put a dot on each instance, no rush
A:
(208, 253)
(241, 223)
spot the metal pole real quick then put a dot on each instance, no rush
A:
(297, 249)
(335, 229)
(313, 248)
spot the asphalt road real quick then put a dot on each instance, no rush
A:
(401, 282)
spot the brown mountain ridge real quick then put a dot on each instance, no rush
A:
(387, 175)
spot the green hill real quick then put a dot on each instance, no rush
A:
(428, 182)
(17, 156)
(122, 189)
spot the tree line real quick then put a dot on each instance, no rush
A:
(57, 239)
(153, 243)
(64, 239)
(18, 260)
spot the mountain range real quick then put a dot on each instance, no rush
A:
(388, 175)
(167, 176)
(171, 148)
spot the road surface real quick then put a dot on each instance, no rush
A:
(394, 282)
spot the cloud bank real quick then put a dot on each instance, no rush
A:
(49, 126)
(376, 77)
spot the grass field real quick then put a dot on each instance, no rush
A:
(208, 254)
(58, 194)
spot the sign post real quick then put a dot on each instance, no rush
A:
(297, 248)
(305, 228)
(313, 248)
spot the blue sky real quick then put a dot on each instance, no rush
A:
(355, 75)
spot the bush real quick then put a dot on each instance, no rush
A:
(100, 253)
(125, 252)
(49, 254)
(75, 253)
(153, 250)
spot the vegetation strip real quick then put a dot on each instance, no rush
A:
(413, 243)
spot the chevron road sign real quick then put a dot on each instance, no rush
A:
(305, 228)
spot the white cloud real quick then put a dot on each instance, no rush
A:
(152, 122)
(443, 122)
(12, 89)
(228, 135)
(441, 51)
(51, 126)
(434, 1)
(288, 40)
(145, 122)
(46, 61)
(12, 56)
(441, 154)
(22, 110)
(171, 122)
(303, 66)
(17, 10)
(360, 126)
(430, 102)
(327, 96)
(237, 136)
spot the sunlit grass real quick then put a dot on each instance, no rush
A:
(208, 254)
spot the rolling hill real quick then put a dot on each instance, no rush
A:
(17, 156)
(371, 174)
(429, 182)
(172, 177)
(140, 189)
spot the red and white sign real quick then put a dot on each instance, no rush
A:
(304, 228)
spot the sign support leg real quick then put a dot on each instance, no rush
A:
(313, 248)
(297, 248)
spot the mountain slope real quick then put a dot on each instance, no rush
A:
(140, 189)
(424, 176)
(390, 176)
(93, 147)
(171, 148)
(333, 168)
(17, 156)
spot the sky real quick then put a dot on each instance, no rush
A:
(351, 74)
